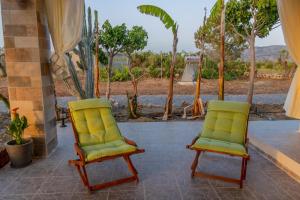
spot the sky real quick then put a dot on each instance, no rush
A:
(187, 13)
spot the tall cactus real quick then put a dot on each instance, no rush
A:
(86, 60)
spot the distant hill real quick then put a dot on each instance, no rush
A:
(265, 53)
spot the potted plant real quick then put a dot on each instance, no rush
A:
(19, 149)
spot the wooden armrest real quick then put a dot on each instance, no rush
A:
(193, 142)
(79, 152)
(130, 142)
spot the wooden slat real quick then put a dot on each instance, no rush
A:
(222, 178)
(112, 183)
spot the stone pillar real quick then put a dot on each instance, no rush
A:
(27, 53)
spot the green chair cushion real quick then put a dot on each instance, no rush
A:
(226, 121)
(97, 151)
(88, 103)
(94, 122)
(220, 146)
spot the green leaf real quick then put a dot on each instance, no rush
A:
(158, 12)
(112, 38)
(136, 40)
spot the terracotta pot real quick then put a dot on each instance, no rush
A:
(20, 155)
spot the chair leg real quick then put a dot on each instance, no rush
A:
(83, 175)
(195, 163)
(245, 168)
(242, 172)
(131, 167)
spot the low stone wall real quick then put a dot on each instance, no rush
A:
(269, 76)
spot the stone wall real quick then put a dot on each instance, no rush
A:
(27, 52)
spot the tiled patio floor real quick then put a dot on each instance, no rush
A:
(164, 171)
(282, 135)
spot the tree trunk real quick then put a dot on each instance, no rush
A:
(132, 100)
(132, 106)
(135, 87)
(196, 106)
(169, 101)
(222, 54)
(108, 87)
(252, 68)
(161, 65)
(286, 68)
(292, 71)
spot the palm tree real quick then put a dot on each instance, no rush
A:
(169, 24)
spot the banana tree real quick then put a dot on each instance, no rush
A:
(200, 39)
(169, 24)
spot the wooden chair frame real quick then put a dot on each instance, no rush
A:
(80, 163)
(223, 178)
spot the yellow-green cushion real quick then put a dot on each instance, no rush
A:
(117, 147)
(220, 146)
(94, 122)
(226, 121)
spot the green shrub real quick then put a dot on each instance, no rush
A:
(154, 72)
(269, 65)
(153, 62)
(208, 73)
(259, 65)
(234, 70)
(229, 76)
(120, 74)
(210, 69)
(103, 74)
(137, 71)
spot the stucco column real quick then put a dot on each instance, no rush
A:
(27, 52)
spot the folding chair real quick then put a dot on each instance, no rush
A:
(224, 132)
(98, 138)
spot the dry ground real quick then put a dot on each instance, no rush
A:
(158, 86)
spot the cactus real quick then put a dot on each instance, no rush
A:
(3, 74)
(84, 51)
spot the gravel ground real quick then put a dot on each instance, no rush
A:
(159, 100)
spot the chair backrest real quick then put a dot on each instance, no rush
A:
(93, 122)
(226, 121)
